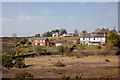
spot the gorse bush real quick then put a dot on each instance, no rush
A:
(79, 76)
(65, 77)
(7, 62)
(19, 63)
(104, 76)
(23, 75)
(107, 60)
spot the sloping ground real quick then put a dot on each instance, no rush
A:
(90, 67)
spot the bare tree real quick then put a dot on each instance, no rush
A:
(76, 32)
(14, 35)
(97, 30)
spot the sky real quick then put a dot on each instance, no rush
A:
(30, 18)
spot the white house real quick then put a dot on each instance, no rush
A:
(68, 35)
(93, 39)
(55, 34)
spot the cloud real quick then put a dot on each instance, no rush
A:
(6, 20)
(112, 13)
(46, 11)
(22, 16)
(70, 17)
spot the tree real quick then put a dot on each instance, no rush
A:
(37, 35)
(76, 32)
(14, 35)
(84, 31)
(114, 38)
(63, 32)
(97, 30)
(23, 40)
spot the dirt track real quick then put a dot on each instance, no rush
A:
(90, 67)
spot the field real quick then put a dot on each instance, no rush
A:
(90, 66)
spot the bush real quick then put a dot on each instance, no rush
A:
(7, 62)
(79, 76)
(65, 77)
(23, 75)
(19, 63)
(59, 64)
(104, 76)
(107, 60)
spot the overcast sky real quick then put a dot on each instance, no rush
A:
(29, 18)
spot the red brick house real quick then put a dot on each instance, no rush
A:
(41, 41)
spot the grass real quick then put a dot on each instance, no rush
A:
(91, 48)
(68, 45)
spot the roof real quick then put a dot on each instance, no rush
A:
(41, 38)
(92, 36)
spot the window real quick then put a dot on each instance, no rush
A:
(43, 43)
(40, 43)
(94, 38)
(83, 38)
(43, 40)
(89, 38)
(40, 40)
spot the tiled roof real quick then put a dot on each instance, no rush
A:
(41, 38)
(92, 36)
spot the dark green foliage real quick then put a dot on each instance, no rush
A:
(104, 76)
(24, 75)
(79, 76)
(65, 77)
(114, 38)
(23, 40)
(59, 64)
(7, 62)
(19, 63)
(63, 32)
(107, 60)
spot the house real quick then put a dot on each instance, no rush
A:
(68, 35)
(55, 34)
(93, 39)
(41, 41)
(58, 44)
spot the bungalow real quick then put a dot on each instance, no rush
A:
(55, 34)
(41, 41)
(68, 35)
(93, 39)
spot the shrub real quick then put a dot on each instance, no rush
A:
(19, 63)
(59, 64)
(23, 75)
(65, 77)
(7, 62)
(104, 76)
(79, 76)
(107, 60)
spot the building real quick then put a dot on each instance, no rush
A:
(55, 34)
(93, 39)
(68, 35)
(58, 44)
(41, 41)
